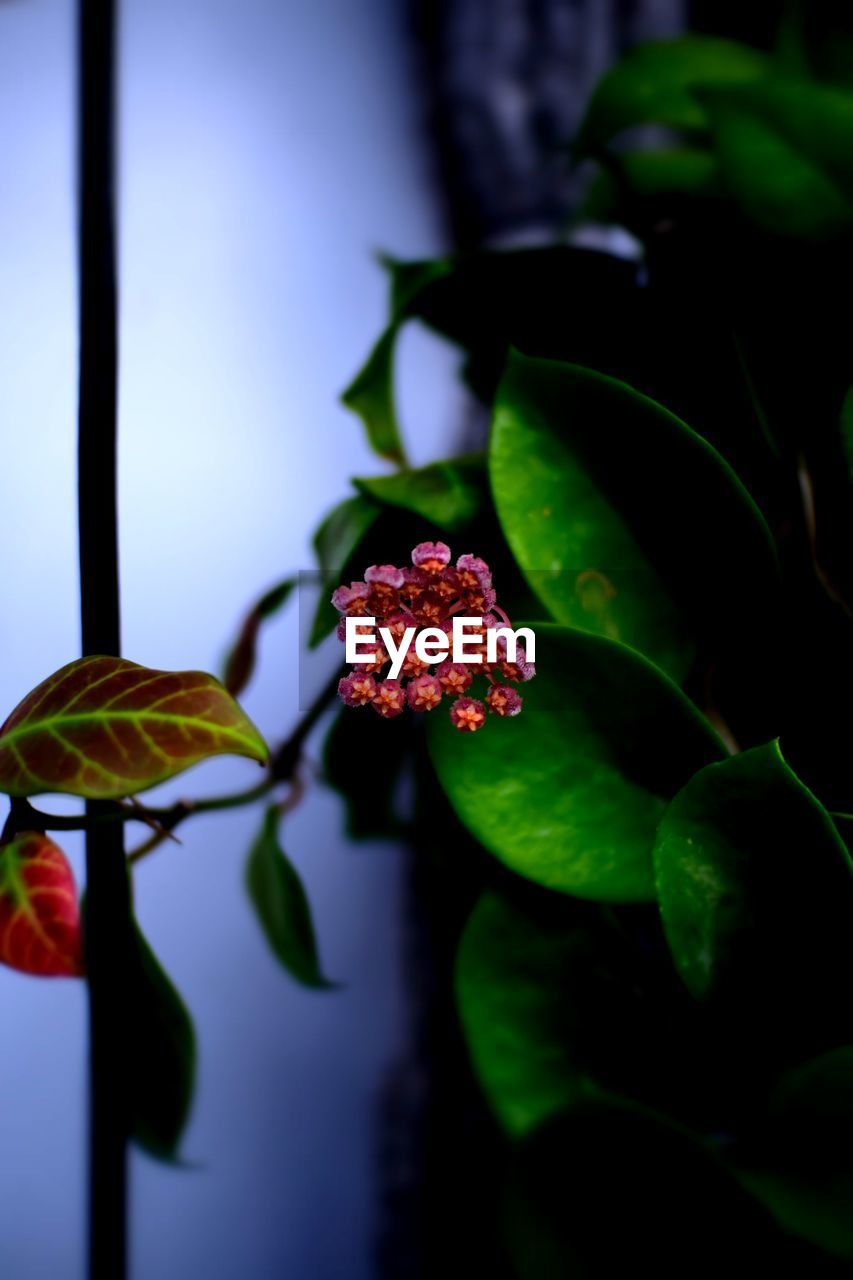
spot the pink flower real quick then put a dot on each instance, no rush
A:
(468, 715)
(351, 599)
(386, 574)
(390, 699)
(432, 557)
(454, 677)
(431, 593)
(473, 572)
(503, 700)
(423, 693)
(357, 690)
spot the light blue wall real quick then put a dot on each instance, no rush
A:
(267, 149)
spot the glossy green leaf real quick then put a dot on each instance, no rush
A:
(162, 1055)
(569, 793)
(448, 494)
(561, 1002)
(624, 521)
(371, 393)
(756, 893)
(654, 84)
(799, 1159)
(40, 930)
(240, 662)
(545, 1006)
(517, 1020)
(106, 728)
(785, 150)
(279, 899)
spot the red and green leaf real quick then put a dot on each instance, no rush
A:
(104, 728)
(40, 930)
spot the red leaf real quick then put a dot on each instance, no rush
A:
(39, 910)
(106, 728)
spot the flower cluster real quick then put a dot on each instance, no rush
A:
(429, 595)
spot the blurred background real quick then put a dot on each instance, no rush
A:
(268, 148)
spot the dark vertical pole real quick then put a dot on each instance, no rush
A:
(107, 894)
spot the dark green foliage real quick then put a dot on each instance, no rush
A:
(655, 988)
(277, 895)
(162, 1054)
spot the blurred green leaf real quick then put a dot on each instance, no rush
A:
(445, 496)
(653, 84)
(623, 520)
(341, 532)
(336, 542)
(448, 494)
(240, 663)
(785, 150)
(642, 178)
(162, 1054)
(371, 392)
(570, 792)
(371, 396)
(279, 899)
(799, 1160)
(756, 894)
(363, 755)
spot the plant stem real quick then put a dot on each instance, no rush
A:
(25, 817)
(107, 898)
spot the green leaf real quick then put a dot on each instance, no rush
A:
(448, 494)
(623, 520)
(162, 1055)
(785, 150)
(799, 1159)
(336, 542)
(391, 511)
(343, 529)
(240, 662)
(756, 893)
(279, 899)
(371, 393)
(654, 84)
(570, 792)
(544, 1008)
(106, 728)
(516, 1017)
(371, 396)
(562, 1002)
